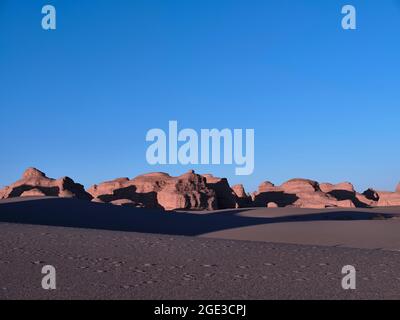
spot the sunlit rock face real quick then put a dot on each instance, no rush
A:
(35, 183)
(159, 190)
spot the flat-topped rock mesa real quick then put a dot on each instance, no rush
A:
(35, 183)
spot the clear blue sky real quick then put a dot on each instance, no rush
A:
(324, 102)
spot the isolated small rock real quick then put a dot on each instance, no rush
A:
(124, 202)
(272, 205)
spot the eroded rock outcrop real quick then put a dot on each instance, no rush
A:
(192, 191)
(301, 193)
(159, 190)
(242, 198)
(36, 183)
(226, 197)
(344, 186)
(188, 191)
(388, 199)
(345, 191)
(382, 198)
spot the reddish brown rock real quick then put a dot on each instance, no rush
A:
(106, 188)
(3, 192)
(362, 201)
(288, 194)
(272, 205)
(303, 193)
(32, 173)
(242, 198)
(226, 197)
(388, 199)
(33, 193)
(345, 191)
(188, 191)
(159, 190)
(382, 198)
(191, 191)
(142, 189)
(239, 191)
(35, 183)
(266, 186)
(295, 186)
(320, 200)
(344, 186)
(269, 193)
(126, 203)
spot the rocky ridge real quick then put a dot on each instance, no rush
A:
(192, 191)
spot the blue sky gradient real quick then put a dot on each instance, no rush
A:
(324, 102)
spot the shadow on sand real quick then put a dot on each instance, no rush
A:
(84, 214)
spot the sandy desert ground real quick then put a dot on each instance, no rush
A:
(102, 251)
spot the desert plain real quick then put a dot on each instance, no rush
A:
(107, 248)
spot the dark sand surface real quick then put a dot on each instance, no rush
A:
(107, 252)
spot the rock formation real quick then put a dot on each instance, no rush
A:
(159, 190)
(226, 197)
(35, 183)
(301, 193)
(344, 186)
(242, 198)
(272, 205)
(382, 198)
(388, 199)
(192, 191)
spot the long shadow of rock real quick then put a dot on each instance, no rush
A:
(149, 199)
(51, 191)
(348, 195)
(84, 214)
(281, 198)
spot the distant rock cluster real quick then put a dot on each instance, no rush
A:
(192, 191)
(35, 183)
